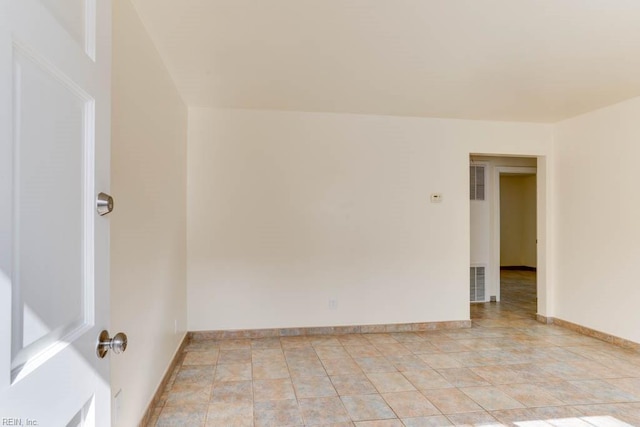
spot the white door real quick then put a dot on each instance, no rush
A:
(54, 248)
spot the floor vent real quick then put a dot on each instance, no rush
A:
(476, 184)
(477, 282)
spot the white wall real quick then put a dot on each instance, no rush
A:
(597, 227)
(518, 220)
(148, 225)
(288, 210)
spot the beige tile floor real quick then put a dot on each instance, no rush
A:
(506, 370)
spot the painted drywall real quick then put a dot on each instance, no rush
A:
(524, 60)
(529, 231)
(518, 220)
(511, 213)
(485, 219)
(596, 226)
(148, 225)
(288, 211)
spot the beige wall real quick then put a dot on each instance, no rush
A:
(148, 225)
(597, 228)
(289, 210)
(529, 244)
(518, 220)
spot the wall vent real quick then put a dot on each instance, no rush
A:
(477, 283)
(476, 184)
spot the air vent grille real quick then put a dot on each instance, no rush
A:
(477, 283)
(476, 184)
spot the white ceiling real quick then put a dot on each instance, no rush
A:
(524, 60)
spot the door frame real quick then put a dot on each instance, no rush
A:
(495, 209)
(544, 225)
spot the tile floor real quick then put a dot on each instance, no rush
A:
(506, 370)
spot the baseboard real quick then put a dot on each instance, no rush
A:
(177, 360)
(328, 330)
(583, 330)
(544, 319)
(517, 267)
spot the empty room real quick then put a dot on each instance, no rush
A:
(319, 213)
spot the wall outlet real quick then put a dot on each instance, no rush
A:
(436, 197)
(333, 304)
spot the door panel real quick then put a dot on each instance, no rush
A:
(53, 245)
(53, 156)
(72, 15)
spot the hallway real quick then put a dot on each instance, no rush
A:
(518, 298)
(507, 369)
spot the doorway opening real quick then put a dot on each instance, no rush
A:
(516, 190)
(504, 216)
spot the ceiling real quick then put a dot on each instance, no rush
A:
(514, 60)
